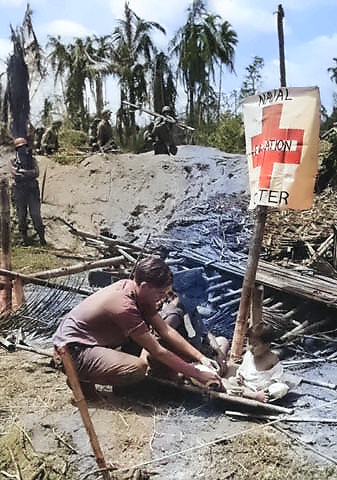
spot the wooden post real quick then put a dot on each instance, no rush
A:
(83, 408)
(256, 242)
(248, 284)
(280, 17)
(18, 294)
(257, 305)
(5, 253)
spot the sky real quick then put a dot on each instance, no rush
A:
(310, 34)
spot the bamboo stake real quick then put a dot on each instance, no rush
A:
(306, 361)
(83, 408)
(5, 253)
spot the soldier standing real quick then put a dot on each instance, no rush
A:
(25, 171)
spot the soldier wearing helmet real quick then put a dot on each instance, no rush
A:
(50, 139)
(105, 140)
(25, 171)
(162, 133)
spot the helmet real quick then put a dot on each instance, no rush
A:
(106, 114)
(166, 109)
(19, 142)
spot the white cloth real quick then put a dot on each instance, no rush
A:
(258, 380)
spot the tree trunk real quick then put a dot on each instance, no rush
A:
(99, 95)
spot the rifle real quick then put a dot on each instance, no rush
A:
(159, 115)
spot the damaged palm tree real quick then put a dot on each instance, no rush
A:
(18, 92)
(25, 61)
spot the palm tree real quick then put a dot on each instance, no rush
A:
(99, 54)
(25, 70)
(199, 45)
(71, 60)
(132, 56)
(252, 82)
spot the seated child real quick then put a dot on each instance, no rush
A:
(260, 376)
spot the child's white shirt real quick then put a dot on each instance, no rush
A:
(255, 379)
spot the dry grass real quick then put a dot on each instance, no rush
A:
(266, 456)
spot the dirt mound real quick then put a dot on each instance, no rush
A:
(133, 195)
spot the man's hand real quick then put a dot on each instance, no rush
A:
(211, 364)
(206, 377)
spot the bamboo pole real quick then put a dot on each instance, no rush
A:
(83, 408)
(257, 305)
(5, 253)
(240, 402)
(22, 279)
(248, 284)
(79, 267)
(241, 324)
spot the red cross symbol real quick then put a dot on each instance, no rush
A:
(275, 144)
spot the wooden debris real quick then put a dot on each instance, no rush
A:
(80, 267)
(241, 402)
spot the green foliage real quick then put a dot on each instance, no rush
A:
(73, 146)
(70, 138)
(328, 121)
(226, 135)
(34, 258)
